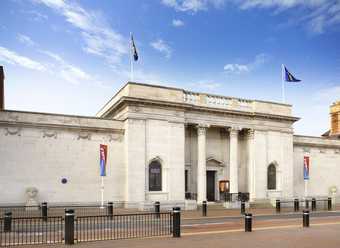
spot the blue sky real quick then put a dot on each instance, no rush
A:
(72, 56)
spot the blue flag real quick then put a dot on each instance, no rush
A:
(134, 49)
(289, 77)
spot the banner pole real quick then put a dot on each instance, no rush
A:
(102, 192)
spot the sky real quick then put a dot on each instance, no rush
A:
(71, 57)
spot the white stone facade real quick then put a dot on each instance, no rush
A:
(198, 140)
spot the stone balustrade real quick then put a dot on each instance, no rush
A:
(217, 101)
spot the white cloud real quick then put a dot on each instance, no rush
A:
(25, 40)
(177, 23)
(99, 38)
(319, 14)
(67, 71)
(162, 47)
(284, 4)
(35, 15)
(192, 5)
(13, 58)
(244, 68)
(235, 68)
(59, 67)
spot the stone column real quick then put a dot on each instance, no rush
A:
(201, 164)
(251, 163)
(233, 158)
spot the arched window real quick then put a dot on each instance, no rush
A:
(155, 176)
(271, 177)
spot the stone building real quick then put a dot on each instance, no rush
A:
(165, 144)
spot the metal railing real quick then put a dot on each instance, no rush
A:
(71, 229)
(241, 196)
(126, 226)
(80, 210)
(307, 203)
(21, 211)
(31, 230)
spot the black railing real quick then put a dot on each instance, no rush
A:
(79, 210)
(31, 230)
(91, 228)
(240, 196)
(21, 211)
(308, 203)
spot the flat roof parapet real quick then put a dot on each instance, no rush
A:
(181, 96)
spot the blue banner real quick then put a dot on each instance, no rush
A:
(103, 158)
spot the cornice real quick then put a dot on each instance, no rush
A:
(56, 126)
(191, 107)
(306, 144)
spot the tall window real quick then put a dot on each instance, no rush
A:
(271, 177)
(155, 176)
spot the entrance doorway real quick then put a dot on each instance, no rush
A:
(211, 185)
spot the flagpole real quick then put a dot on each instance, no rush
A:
(131, 62)
(283, 84)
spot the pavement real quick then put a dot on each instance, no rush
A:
(221, 212)
(277, 231)
(280, 233)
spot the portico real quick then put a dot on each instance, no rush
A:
(222, 147)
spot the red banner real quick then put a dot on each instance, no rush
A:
(306, 168)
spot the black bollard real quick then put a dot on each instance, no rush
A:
(69, 227)
(243, 207)
(44, 210)
(204, 208)
(296, 205)
(176, 222)
(8, 222)
(305, 218)
(313, 204)
(329, 203)
(278, 206)
(157, 209)
(306, 204)
(110, 209)
(248, 222)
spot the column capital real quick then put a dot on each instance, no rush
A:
(250, 133)
(234, 130)
(202, 128)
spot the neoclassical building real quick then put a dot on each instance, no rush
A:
(166, 144)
